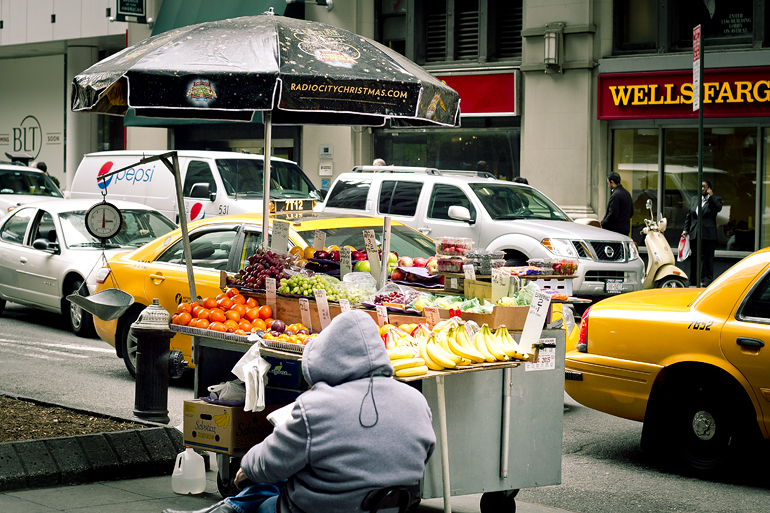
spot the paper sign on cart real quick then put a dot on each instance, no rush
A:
(431, 315)
(533, 325)
(304, 309)
(319, 240)
(372, 253)
(346, 265)
(470, 272)
(501, 283)
(323, 307)
(546, 357)
(279, 240)
(270, 294)
(382, 315)
(344, 305)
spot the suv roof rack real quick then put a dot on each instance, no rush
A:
(423, 170)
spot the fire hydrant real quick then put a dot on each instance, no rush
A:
(155, 363)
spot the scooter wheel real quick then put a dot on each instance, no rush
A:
(673, 282)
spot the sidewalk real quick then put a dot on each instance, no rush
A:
(154, 494)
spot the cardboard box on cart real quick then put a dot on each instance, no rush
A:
(225, 429)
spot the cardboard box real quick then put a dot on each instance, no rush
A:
(225, 429)
(512, 317)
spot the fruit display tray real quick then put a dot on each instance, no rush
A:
(282, 346)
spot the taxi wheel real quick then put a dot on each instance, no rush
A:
(705, 424)
(128, 341)
(81, 322)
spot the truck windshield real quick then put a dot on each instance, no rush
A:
(243, 179)
(507, 201)
(33, 183)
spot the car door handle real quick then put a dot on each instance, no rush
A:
(425, 230)
(22, 260)
(750, 342)
(158, 277)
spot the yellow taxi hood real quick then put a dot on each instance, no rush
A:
(650, 300)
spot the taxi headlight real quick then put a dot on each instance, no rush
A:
(561, 247)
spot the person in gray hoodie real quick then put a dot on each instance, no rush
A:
(354, 431)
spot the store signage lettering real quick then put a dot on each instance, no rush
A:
(28, 136)
(727, 93)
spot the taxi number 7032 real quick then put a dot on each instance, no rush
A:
(700, 325)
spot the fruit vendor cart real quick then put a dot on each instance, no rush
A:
(498, 425)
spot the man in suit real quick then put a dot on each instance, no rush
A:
(711, 205)
(620, 208)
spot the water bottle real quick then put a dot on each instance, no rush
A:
(189, 473)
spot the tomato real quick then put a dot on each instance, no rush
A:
(238, 298)
(252, 303)
(203, 313)
(217, 315)
(258, 324)
(203, 323)
(209, 303)
(245, 325)
(217, 326)
(183, 307)
(241, 309)
(184, 318)
(251, 314)
(232, 291)
(265, 312)
(232, 315)
(231, 325)
(225, 303)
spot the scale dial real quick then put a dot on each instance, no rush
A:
(104, 220)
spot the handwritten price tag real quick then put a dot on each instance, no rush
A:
(270, 293)
(470, 272)
(344, 305)
(501, 283)
(431, 315)
(279, 241)
(323, 307)
(346, 265)
(546, 357)
(372, 253)
(304, 309)
(536, 317)
(319, 240)
(382, 315)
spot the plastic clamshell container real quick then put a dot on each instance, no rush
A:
(453, 246)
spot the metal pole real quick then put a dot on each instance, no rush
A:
(444, 440)
(699, 230)
(507, 386)
(267, 117)
(183, 225)
(385, 253)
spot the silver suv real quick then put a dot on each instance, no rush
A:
(497, 215)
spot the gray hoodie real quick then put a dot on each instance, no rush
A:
(356, 430)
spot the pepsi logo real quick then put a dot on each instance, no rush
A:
(197, 212)
(103, 171)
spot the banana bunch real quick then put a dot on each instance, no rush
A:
(435, 356)
(222, 420)
(510, 346)
(406, 361)
(399, 338)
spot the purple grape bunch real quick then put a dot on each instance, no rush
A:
(263, 264)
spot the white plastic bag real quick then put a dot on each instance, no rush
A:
(252, 370)
(234, 391)
(684, 249)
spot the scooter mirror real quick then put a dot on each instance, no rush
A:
(648, 205)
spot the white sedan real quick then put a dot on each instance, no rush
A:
(46, 253)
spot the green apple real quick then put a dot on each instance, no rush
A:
(362, 266)
(393, 258)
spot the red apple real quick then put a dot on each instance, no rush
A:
(358, 255)
(397, 274)
(335, 255)
(432, 265)
(419, 262)
(405, 261)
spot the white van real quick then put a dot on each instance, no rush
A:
(214, 183)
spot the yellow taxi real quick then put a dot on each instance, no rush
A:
(691, 364)
(158, 269)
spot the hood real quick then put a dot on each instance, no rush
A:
(350, 348)
(538, 228)
(650, 300)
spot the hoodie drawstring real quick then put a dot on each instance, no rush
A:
(361, 411)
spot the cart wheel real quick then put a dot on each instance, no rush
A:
(498, 502)
(226, 490)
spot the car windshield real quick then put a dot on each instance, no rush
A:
(403, 240)
(32, 183)
(507, 201)
(139, 228)
(243, 179)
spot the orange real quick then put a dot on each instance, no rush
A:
(265, 312)
(308, 252)
(231, 325)
(203, 323)
(251, 314)
(217, 326)
(233, 315)
(209, 303)
(217, 315)
(196, 309)
(232, 291)
(296, 250)
(221, 296)
(183, 307)
(225, 303)
(183, 319)
(268, 322)
(245, 325)
(239, 299)
(258, 324)
(204, 313)
(241, 309)
(240, 332)
(252, 303)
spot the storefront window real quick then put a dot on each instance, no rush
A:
(636, 24)
(496, 151)
(764, 240)
(722, 23)
(729, 163)
(635, 159)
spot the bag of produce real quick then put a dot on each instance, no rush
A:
(526, 293)
(395, 295)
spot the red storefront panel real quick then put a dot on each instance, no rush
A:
(739, 92)
(493, 94)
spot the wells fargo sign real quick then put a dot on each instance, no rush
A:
(735, 92)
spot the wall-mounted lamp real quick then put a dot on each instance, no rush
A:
(329, 4)
(553, 55)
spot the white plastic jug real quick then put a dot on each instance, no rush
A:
(189, 473)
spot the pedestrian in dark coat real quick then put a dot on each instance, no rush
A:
(712, 205)
(620, 208)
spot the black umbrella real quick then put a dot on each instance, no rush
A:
(293, 71)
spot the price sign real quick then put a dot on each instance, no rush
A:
(270, 293)
(431, 315)
(382, 315)
(453, 284)
(304, 309)
(346, 265)
(279, 241)
(501, 283)
(372, 252)
(323, 307)
(546, 357)
(470, 272)
(344, 305)
(319, 240)
(533, 325)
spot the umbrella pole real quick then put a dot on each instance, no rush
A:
(267, 117)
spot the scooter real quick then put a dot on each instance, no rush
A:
(662, 271)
